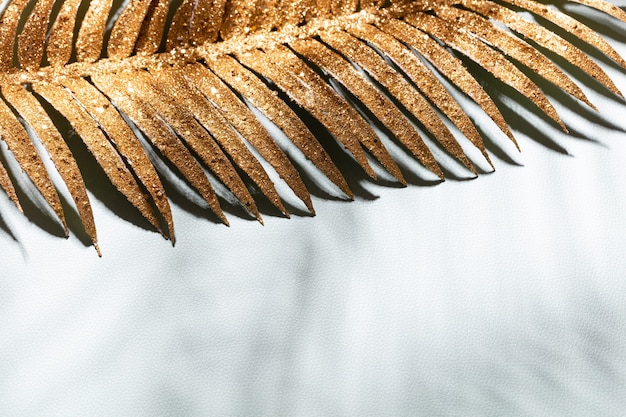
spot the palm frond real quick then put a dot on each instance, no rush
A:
(189, 78)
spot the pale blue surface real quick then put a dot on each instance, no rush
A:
(502, 296)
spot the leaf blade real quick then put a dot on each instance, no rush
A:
(253, 89)
(31, 110)
(107, 157)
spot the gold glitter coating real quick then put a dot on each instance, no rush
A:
(311, 92)
(124, 140)
(30, 109)
(244, 121)
(91, 34)
(127, 28)
(339, 7)
(397, 85)
(489, 59)
(605, 7)
(449, 66)
(193, 134)
(31, 39)
(384, 110)
(185, 96)
(153, 27)
(371, 3)
(267, 15)
(61, 38)
(298, 12)
(513, 47)
(279, 113)
(322, 7)
(237, 18)
(16, 138)
(161, 136)
(97, 143)
(8, 30)
(543, 37)
(195, 22)
(423, 78)
(570, 24)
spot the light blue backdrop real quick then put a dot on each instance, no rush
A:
(500, 296)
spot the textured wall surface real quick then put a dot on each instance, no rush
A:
(500, 296)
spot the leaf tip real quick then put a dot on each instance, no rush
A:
(97, 248)
(223, 219)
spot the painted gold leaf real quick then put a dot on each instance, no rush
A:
(423, 78)
(489, 59)
(399, 87)
(386, 112)
(329, 74)
(255, 91)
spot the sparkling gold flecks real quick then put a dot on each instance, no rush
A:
(423, 78)
(355, 122)
(161, 136)
(267, 15)
(606, 7)
(449, 66)
(7, 186)
(30, 109)
(237, 18)
(340, 7)
(275, 109)
(99, 146)
(318, 99)
(126, 29)
(388, 114)
(371, 3)
(489, 59)
(322, 7)
(543, 37)
(60, 40)
(186, 96)
(9, 20)
(33, 35)
(125, 141)
(242, 119)
(513, 47)
(570, 24)
(195, 22)
(313, 94)
(18, 141)
(398, 87)
(275, 14)
(152, 28)
(198, 139)
(91, 34)
(206, 21)
(297, 12)
(178, 33)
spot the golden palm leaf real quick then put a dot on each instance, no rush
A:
(189, 79)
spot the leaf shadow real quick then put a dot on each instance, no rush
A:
(101, 188)
(349, 167)
(502, 93)
(74, 223)
(33, 205)
(4, 227)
